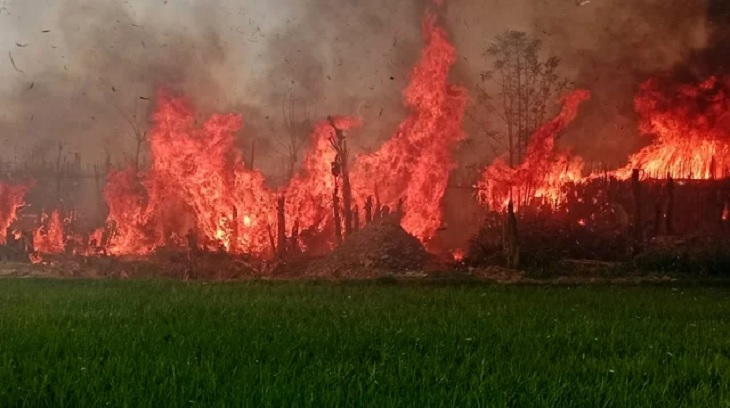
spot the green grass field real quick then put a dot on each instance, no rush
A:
(159, 343)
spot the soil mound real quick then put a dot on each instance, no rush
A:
(380, 248)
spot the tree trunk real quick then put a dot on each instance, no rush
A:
(346, 195)
(336, 209)
(369, 210)
(356, 218)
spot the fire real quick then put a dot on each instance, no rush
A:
(690, 127)
(197, 180)
(415, 164)
(49, 237)
(543, 172)
(11, 199)
(309, 193)
(458, 255)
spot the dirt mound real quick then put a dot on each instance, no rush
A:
(380, 248)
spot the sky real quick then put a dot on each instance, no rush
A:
(85, 63)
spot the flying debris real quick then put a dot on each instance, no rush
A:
(582, 2)
(12, 61)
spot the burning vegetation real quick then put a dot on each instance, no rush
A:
(198, 193)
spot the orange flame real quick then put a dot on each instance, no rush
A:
(49, 238)
(309, 193)
(415, 164)
(197, 180)
(690, 127)
(542, 173)
(11, 199)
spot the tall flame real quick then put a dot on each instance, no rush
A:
(11, 199)
(309, 192)
(543, 172)
(690, 129)
(197, 180)
(415, 164)
(49, 237)
(197, 177)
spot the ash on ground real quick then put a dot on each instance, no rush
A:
(380, 248)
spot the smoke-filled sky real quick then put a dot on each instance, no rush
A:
(84, 61)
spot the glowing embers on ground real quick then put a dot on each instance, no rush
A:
(690, 129)
(543, 173)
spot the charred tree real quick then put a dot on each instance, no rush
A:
(369, 210)
(294, 247)
(356, 218)
(510, 239)
(336, 209)
(339, 143)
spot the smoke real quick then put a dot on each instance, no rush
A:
(620, 44)
(90, 65)
(98, 57)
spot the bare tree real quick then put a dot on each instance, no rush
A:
(527, 85)
(137, 125)
(297, 124)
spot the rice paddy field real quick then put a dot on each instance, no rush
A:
(97, 343)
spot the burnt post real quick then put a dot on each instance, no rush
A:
(399, 211)
(369, 210)
(234, 230)
(280, 226)
(339, 143)
(336, 209)
(636, 184)
(670, 205)
(511, 240)
(294, 238)
(356, 218)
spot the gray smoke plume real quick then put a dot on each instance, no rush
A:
(84, 62)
